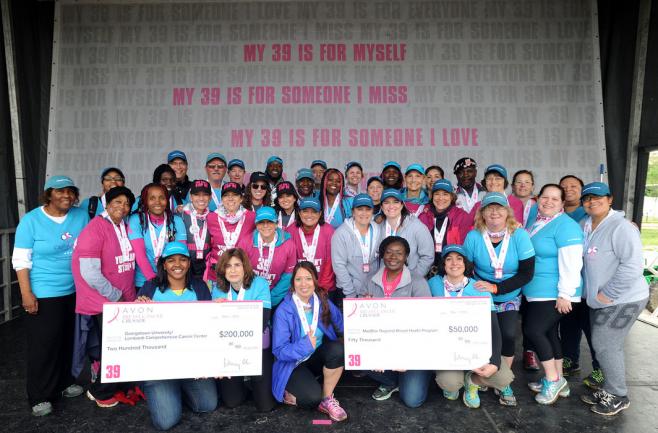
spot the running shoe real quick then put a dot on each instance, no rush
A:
(331, 407)
(42, 409)
(610, 404)
(550, 391)
(451, 395)
(569, 367)
(536, 387)
(595, 379)
(73, 391)
(384, 392)
(506, 396)
(593, 398)
(530, 361)
(110, 402)
(471, 397)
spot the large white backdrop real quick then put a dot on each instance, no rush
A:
(510, 82)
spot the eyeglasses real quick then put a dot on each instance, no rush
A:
(258, 186)
(113, 179)
(591, 197)
(216, 166)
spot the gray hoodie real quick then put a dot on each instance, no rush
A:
(411, 286)
(420, 241)
(613, 262)
(347, 261)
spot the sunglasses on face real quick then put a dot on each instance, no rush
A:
(216, 166)
(259, 186)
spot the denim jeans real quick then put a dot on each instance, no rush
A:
(165, 399)
(413, 384)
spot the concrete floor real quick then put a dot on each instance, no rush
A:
(365, 414)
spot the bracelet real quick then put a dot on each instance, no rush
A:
(495, 289)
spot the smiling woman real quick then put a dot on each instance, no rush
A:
(305, 344)
(504, 261)
(395, 280)
(104, 271)
(236, 280)
(42, 259)
(174, 283)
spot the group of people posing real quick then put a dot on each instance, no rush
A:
(563, 259)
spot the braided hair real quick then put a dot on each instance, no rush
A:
(143, 211)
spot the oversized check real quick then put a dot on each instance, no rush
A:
(177, 340)
(417, 333)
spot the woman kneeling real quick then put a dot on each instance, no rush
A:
(455, 279)
(305, 344)
(174, 283)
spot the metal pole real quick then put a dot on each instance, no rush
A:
(641, 42)
(14, 105)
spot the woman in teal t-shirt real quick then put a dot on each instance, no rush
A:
(174, 283)
(504, 260)
(236, 281)
(42, 255)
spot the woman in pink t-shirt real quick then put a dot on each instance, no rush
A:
(228, 225)
(103, 267)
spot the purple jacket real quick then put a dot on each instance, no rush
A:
(289, 347)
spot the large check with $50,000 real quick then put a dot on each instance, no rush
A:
(417, 333)
(177, 340)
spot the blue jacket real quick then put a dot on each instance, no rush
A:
(200, 289)
(289, 347)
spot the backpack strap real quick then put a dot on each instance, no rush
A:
(93, 205)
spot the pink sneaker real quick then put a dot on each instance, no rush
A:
(289, 399)
(331, 407)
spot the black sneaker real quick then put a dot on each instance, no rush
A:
(593, 398)
(569, 367)
(610, 404)
(595, 379)
(384, 392)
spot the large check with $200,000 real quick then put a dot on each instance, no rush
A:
(177, 340)
(417, 333)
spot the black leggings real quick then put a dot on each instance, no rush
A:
(303, 383)
(50, 348)
(541, 328)
(507, 323)
(233, 391)
(572, 326)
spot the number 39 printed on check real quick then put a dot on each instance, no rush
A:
(417, 333)
(177, 340)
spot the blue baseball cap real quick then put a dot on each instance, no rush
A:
(391, 192)
(362, 200)
(274, 158)
(310, 203)
(236, 163)
(173, 248)
(266, 213)
(415, 167)
(304, 173)
(176, 154)
(498, 169)
(599, 189)
(59, 182)
(353, 164)
(392, 164)
(453, 249)
(494, 198)
(319, 162)
(444, 185)
(215, 155)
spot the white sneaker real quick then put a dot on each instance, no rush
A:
(42, 409)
